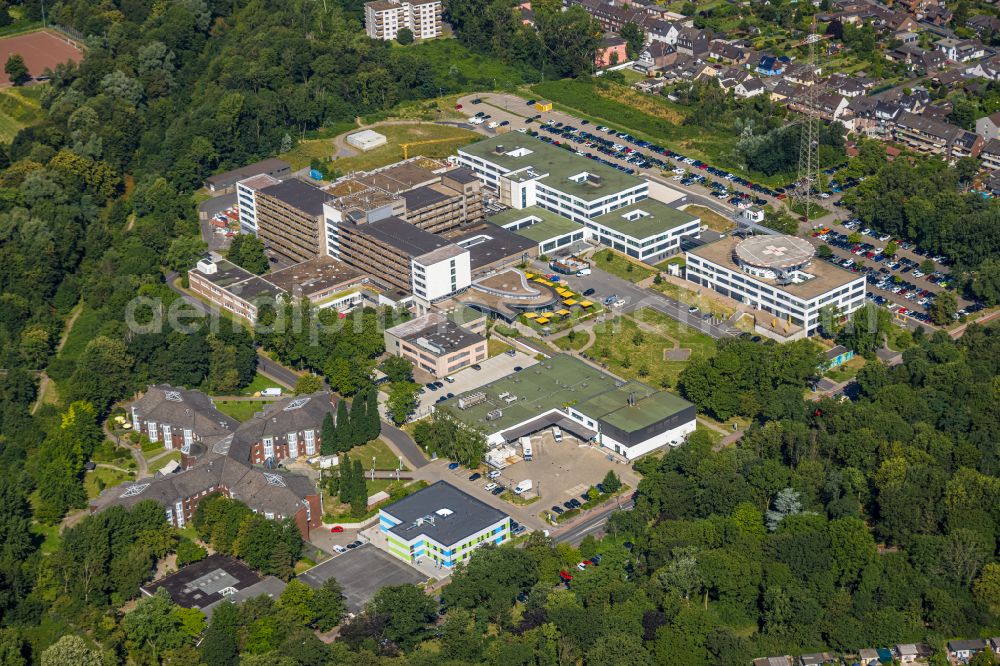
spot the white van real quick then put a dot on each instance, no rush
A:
(526, 448)
(556, 434)
(523, 487)
(271, 393)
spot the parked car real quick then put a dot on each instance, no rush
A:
(337, 529)
(495, 474)
(339, 549)
(588, 292)
(498, 490)
(475, 476)
(354, 544)
(556, 509)
(453, 465)
(490, 487)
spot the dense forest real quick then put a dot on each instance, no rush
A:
(830, 525)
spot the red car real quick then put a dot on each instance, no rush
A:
(336, 529)
(565, 575)
(458, 106)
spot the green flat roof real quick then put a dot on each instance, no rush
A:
(551, 225)
(562, 380)
(557, 163)
(661, 218)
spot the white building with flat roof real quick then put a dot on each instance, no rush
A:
(778, 275)
(385, 18)
(246, 199)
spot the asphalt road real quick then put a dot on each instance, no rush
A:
(415, 458)
(593, 525)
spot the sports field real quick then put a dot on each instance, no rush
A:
(41, 50)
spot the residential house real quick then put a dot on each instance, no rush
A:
(868, 657)
(828, 107)
(802, 74)
(933, 60)
(989, 126)
(750, 87)
(613, 50)
(993, 185)
(985, 69)
(848, 86)
(990, 155)
(724, 51)
(964, 650)
(656, 55)
(781, 90)
(612, 17)
(936, 137)
(907, 653)
(692, 42)
(907, 37)
(180, 418)
(984, 25)
(939, 15)
(785, 660)
(284, 430)
(960, 50)
(907, 54)
(770, 66)
(276, 496)
(662, 31)
(817, 659)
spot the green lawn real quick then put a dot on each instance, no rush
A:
(709, 217)
(616, 264)
(384, 457)
(102, 477)
(51, 538)
(242, 410)
(495, 347)
(19, 107)
(846, 371)
(579, 340)
(631, 352)
(162, 462)
(83, 331)
(259, 383)
(446, 140)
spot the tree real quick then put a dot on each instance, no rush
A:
(247, 251)
(987, 585)
(372, 414)
(308, 383)
(786, 503)
(854, 238)
(402, 401)
(943, 308)
(611, 482)
(824, 251)
(16, 70)
(634, 37)
(927, 266)
(297, 601)
(890, 249)
(328, 436)
(219, 648)
(406, 611)
(359, 431)
(343, 427)
(184, 252)
(404, 36)
(398, 369)
(328, 605)
(188, 551)
(152, 627)
(71, 649)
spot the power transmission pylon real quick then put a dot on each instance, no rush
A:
(808, 175)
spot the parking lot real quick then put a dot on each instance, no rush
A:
(559, 472)
(361, 573)
(468, 379)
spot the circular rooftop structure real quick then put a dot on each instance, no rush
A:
(776, 253)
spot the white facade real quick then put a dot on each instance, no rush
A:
(246, 200)
(434, 278)
(385, 18)
(770, 297)
(649, 248)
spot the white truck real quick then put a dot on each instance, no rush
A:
(526, 448)
(556, 434)
(271, 393)
(522, 487)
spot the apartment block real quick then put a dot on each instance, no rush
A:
(435, 344)
(385, 18)
(931, 136)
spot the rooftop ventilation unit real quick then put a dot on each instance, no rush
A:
(499, 149)
(494, 415)
(471, 400)
(594, 179)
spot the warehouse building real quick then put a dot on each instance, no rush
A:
(627, 418)
(778, 277)
(441, 523)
